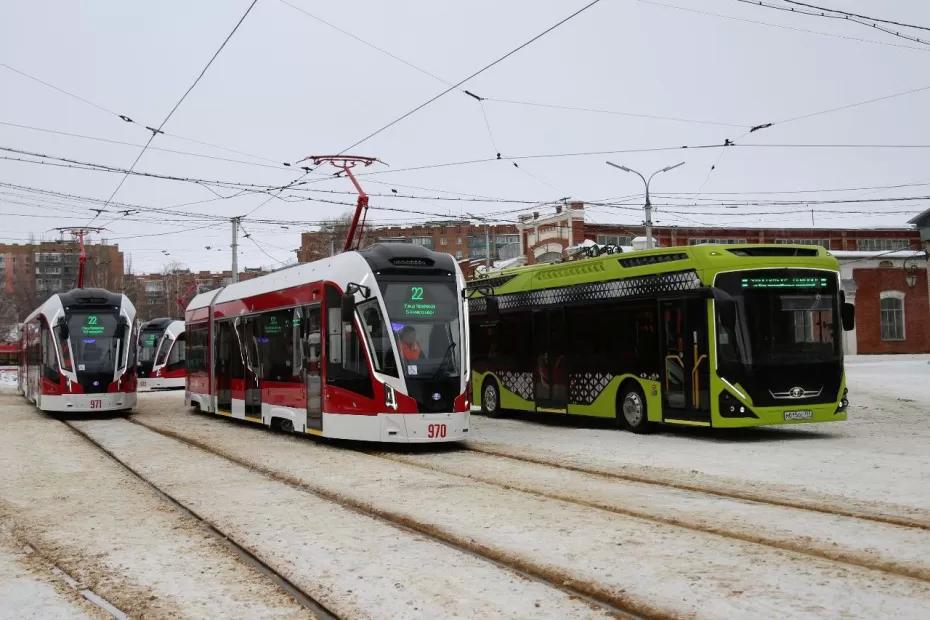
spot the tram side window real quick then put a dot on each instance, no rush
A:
(50, 360)
(275, 343)
(197, 349)
(346, 366)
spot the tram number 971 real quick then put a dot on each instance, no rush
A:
(96, 404)
(436, 431)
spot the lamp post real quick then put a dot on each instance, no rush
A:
(648, 205)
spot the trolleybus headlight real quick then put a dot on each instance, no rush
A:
(844, 402)
(730, 407)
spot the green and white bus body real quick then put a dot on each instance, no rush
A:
(707, 335)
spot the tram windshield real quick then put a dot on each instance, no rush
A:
(425, 319)
(148, 345)
(96, 348)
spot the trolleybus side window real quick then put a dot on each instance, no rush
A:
(378, 337)
(346, 366)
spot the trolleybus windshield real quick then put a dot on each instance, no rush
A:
(424, 317)
(782, 317)
(94, 343)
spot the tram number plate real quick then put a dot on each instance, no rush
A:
(96, 404)
(436, 431)
(802, 414)
(143, 383)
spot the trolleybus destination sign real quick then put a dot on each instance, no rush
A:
(784, 282)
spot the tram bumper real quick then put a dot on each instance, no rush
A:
(88, 403)
(399, 427)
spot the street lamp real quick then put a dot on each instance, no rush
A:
(648, 205)
(910, 271)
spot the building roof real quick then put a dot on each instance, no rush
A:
(921, 219)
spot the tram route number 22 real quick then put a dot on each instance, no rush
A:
(436, 431)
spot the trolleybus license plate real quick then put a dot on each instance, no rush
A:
(801, 414)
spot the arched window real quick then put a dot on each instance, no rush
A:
(892, 315)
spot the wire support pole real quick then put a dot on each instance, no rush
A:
(234, 274)
(346, 163)
(648, 206)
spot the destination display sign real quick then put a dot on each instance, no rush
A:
(790, 282)
(91, 327)
(416, 305)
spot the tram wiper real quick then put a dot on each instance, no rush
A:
(445, 356)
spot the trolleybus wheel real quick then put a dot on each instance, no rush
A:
(490, 399)
(631, 409)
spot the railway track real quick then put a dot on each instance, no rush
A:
(304, 599)
(800, 504)
(597, 597)
(806, 546)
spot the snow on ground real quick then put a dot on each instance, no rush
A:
(357, 566)
(655, 567)
(876, 461)
(28, 591)
(113, 533)
(8, 376)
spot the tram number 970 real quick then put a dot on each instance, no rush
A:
(436, 431)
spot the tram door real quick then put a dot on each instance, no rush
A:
(253, 367)
(312, 344)
(685, 376)
(550, 371)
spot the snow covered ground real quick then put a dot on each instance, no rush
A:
(549, 518)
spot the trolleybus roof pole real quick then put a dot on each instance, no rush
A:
(347, 162)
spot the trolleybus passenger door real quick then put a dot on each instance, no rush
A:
(550, 371)
(685, 377)
(312, 345)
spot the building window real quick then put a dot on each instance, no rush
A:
(824, 243)
(459, 241)
(443, 241)
(458, 254)
(882, 245)
(426, 242)
(154, 286)
(615, 240)
(892, 309)
(715, 241)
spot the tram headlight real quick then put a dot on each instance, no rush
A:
(390, 399)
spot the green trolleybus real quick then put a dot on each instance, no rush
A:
(706, 335)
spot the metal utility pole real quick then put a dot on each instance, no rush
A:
(347, 162)
(648, 205)
(234, 277)
(487, 246)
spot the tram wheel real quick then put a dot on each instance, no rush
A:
(490, 398)
(282, 425)
(631, 409)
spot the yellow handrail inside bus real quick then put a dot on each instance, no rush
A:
(681, 363)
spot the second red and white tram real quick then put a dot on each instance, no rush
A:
(79, 353)
(368, 345)
(162, 355)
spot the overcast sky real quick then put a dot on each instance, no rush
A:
(287, 86)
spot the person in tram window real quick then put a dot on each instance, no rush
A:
(409, 346)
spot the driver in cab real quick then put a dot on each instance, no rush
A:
(409, 346)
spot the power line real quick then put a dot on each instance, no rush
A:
(782, 26)
(476, 73)
(853, 105)
(843, 16)
(183, 97)
(874, 19)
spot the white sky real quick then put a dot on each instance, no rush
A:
(287, 86)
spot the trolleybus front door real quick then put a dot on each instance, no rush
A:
(550, 371)
(685, 376)
(312, 339)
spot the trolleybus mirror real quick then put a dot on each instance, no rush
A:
(848, 314)
(348, 308)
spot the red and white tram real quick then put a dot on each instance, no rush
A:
(368, 345)
(79, 353)
(162, 355)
